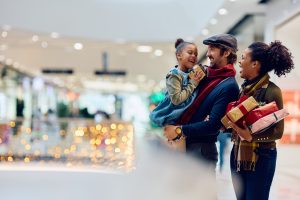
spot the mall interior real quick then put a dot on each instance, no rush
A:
(78, 80)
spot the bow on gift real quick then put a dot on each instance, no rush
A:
(238, 109)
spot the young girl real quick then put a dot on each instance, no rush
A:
(181, 83)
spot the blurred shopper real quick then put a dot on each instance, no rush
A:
(100, 116)
(37, 119)
(200, 123)
(223, 139)
(180, 86)
(253, 157)
(52, 122)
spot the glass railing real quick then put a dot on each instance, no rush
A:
(68, 142)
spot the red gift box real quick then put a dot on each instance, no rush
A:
(267, 121)
(258, 113)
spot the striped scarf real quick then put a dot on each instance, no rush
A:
(245, 152)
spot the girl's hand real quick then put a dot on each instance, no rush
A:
(198, 76)
(244, 133)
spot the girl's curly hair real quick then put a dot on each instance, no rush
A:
(180, 44)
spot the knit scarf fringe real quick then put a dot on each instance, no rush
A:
(247, 165)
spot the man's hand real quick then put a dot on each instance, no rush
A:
(169, 132)
(244, 133)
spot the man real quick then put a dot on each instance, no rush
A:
(201, 122)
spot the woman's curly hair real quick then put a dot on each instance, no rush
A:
(272, 57)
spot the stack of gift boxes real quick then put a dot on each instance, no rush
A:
(257, 117)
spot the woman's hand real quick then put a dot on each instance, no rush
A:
(169, 132)
(244, 133)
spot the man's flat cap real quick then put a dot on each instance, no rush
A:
(225, 40)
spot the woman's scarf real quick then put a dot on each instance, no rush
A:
(214, 77)
(245, 152)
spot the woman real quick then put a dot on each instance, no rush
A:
(253, 157)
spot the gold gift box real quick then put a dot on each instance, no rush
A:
(199, 69)
(236, 113)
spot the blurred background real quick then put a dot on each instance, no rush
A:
(79, 78)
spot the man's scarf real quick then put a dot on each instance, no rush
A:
(245, 152)
(214, 77)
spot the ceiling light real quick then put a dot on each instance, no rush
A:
(35, 38)
(158, 52)
(232, 0)
(144, 49)
(4, 34)
(78, 46)
(44, 44)
(54, 35)
(223, 11)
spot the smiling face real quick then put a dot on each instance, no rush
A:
(249, 68)
(215, 56)
(187, 57)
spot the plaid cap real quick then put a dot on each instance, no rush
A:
(225, 40)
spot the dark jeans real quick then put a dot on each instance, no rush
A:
(250, 185)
